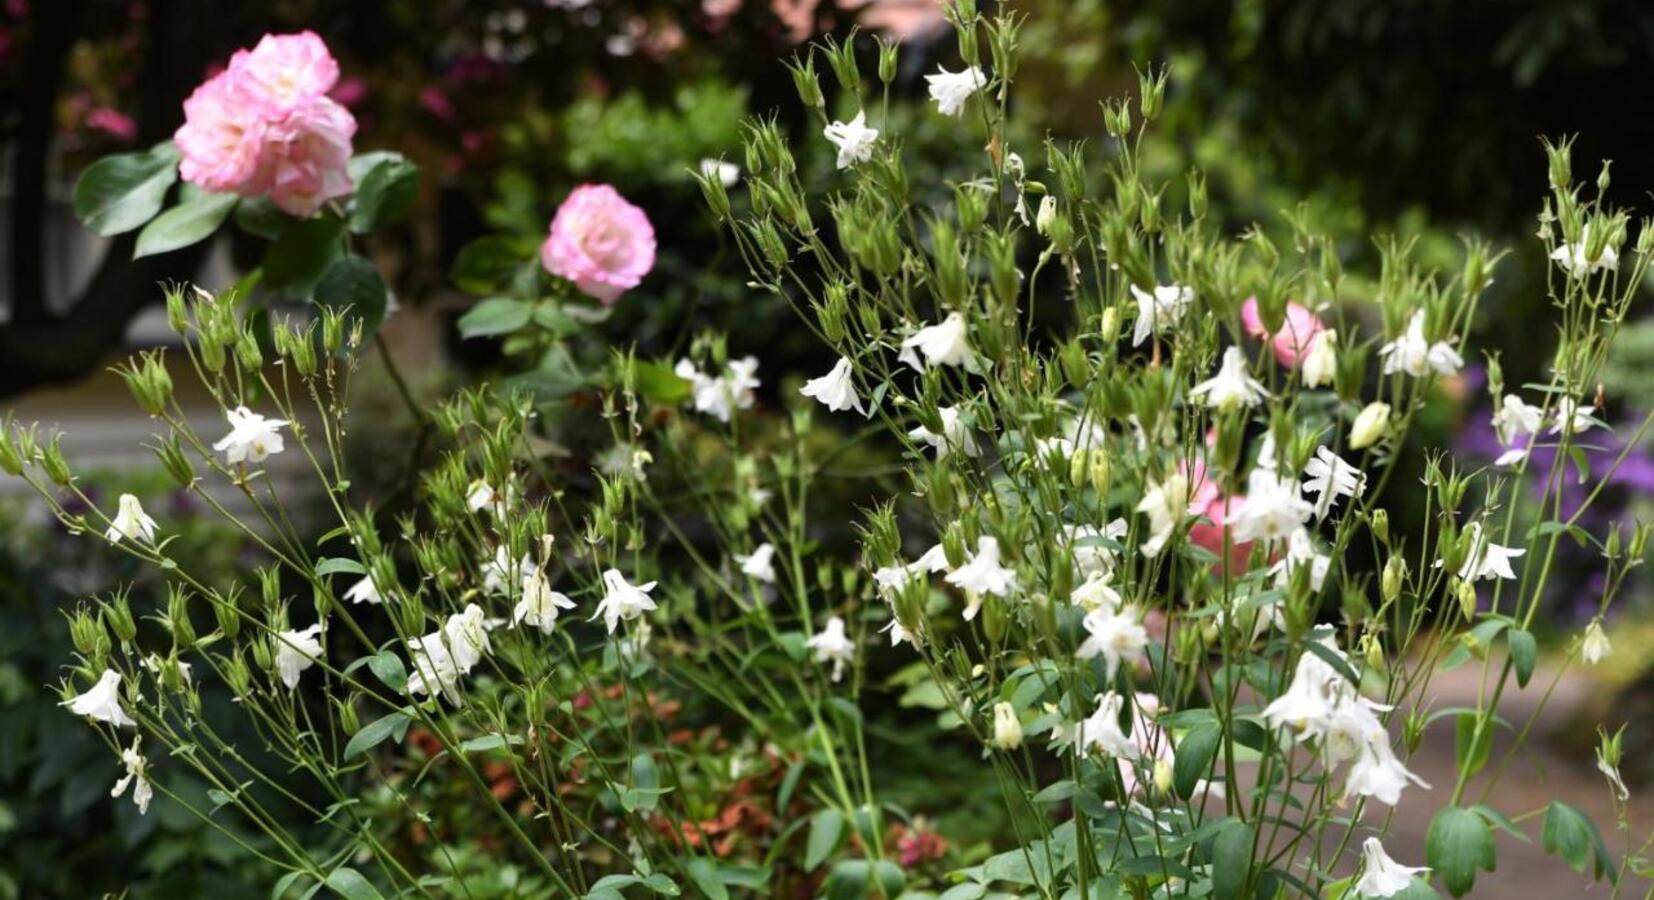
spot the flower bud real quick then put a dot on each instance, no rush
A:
(1100, 470)
(1320, 365)
(226, 612)
(714, 192)
(1162, 776)
(1197, 194)
(1109, 328)
(247, 352)
(1007, 727)
(1370, 425)
(177, 313)
(171, 454)
(953, 545)
(178, 619)
(805, 81)
(1379, 523)
(86, 632)
(1595, 646)
(887, 60)
(11, 459)
(57, 468)
(118, 612)
(1466, 594)
(348, 720)
(237, 675)
(1046, 215)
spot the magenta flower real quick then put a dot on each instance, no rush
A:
(265, 126)
(600, 242)
(1296, 336)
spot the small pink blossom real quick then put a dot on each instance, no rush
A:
(1296, 336)
(112, 122)
(599, 241)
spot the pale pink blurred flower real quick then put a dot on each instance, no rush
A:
(349, 91)
(1297, 334)
(599, 241)
(112, 122)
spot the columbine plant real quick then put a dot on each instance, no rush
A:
(1134, 556)
(1139, 559)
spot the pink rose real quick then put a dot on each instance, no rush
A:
(311, 155)
(1295, 337)
(265, 126)
(221, 140)
(600, 242)
(1219, 512)
(285, 72)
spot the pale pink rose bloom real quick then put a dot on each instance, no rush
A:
(1297, 333)
(310, 156)
(222, 140)
(285, 72)
(600, 242)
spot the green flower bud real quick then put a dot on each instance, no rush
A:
(171, 454)
(1197, 194)
(1393, 579)
(118, 612)
(11, 459)
(177, 313)
(1379, 522)
(178, 619)
(887, 60)
(57, 468)
(1466, 594)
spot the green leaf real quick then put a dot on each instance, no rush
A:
(386, 185)
(1498, 820)
(352, 283)
(854, 879)
(496, 315)
(1470, 749)
(704, 873)
(1572, 835)
(1231, 859)
(334, 565)
(285, 884)
(376, 732)
(660, 385)
(350, 885)
(1459, 842)
(1335, 659)
(661, 884)
(1193, 759)
(1524, 653)
(118, 193)
(303, 251)
(826, 827)
(388, 668)
(260, 218)
(644, 774)
(490, 264)
(490, 742)
(191, 221)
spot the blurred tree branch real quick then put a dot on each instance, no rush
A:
(41, 346)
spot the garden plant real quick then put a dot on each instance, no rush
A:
(1125, 538)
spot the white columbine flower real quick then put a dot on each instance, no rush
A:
(983, 574)
(1486, 559)
(1300, 550)
(131, 522)
(1513, 420)
(1046, 215)
(102, 701)
(1413, 354)
(1007, 734)
(1166, 504)
(727, 173)
(1571, 416)
(297, 651)
(1101, 730)
(540, 605)
(1118, 635)
(853, 139)
(364, 591)
(836, 390)
(956, 435)
(252, 437)
(950, 90)
(942, 344)
(759, 564)
(1232, 386)
(1307, 704)
(1159, 310)
(1370, 425)
(1594, 647)
(499, 573)
(1378, 774)
(1330, 477)
(1096, 593)
(137, 775)
(622, 600)
(479, 496)
(719, 397)
(434, 669)
(1273, 509)
(1573, 261)
(1320, 364)
(467, 635)
(1382, 876)
(832, 645)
